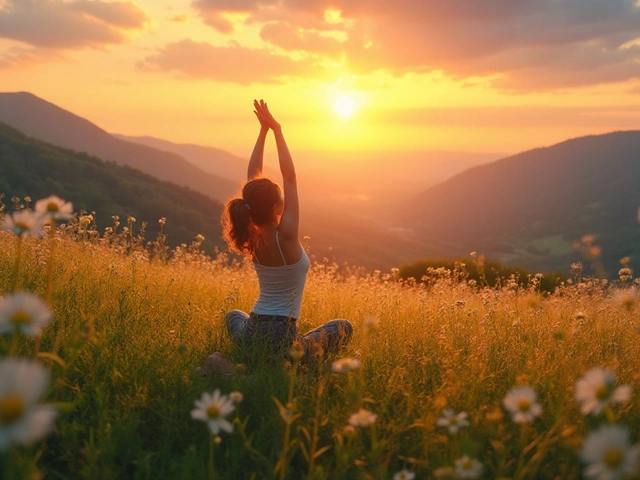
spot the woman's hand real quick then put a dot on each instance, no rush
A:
(264, 115)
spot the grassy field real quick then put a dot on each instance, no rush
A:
(129, 329)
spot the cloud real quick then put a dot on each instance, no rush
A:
(518, 45)
(55, 24)
(232, 63)
(610, 117)
(17, 57)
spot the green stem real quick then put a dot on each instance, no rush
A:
(212, 471)
(16, 266)
(50, 262)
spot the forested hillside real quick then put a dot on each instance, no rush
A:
(32, 168)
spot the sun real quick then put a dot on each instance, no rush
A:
(345, 107)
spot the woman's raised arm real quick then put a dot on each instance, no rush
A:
(291, 215)
(257, 156)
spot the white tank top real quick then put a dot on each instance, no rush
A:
(281, 287)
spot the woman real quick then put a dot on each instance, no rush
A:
(263, 225)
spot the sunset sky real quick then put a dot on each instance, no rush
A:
(463, 75)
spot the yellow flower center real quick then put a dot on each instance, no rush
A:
(11, 409)
(213, 411)
(52, 207)
(453, 421)
(613, 458)
(467, 464)
(524, 405)
(603, 392)
(20, 317)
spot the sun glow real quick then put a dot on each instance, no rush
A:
(345, 107)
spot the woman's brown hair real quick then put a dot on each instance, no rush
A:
(243, 218)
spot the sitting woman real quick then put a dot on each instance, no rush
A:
(263, 225)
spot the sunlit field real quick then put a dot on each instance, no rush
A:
(442, 379)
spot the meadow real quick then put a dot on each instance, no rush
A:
(444, 378)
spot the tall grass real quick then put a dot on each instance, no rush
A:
(130, 328)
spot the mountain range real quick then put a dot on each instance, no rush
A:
(378, 211)
(529, 208)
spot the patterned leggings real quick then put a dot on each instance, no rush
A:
(276, 334)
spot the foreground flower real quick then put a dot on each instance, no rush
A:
(25, 313)
(521, 403)
(24, 223)
(362, 418)
(343, 365)
(608, 454)
(236, 397)
(454, 422)
(468, 467)
(211, 409)
(55, 208)
(22, 419)
(597, 389)
(404, 475)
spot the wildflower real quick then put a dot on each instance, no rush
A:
(608, 454)
(131, 219)
(345, 365)
(468, 467)
(162, 221)
(597, 389)
(23, 223)
(349, 432)
(371, 323)
(22, 420)
(404, 475)
(521, 403)
(55, 208)
(236, 397)
(580, 316)
(362, 418)
(454, 422)
(211, 409)
(297, 351)
(199, 238)
(626, 297)
(25, 313)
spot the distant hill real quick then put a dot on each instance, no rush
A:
(209, 159)
(528, 208)
(29, 167)
(47, 122)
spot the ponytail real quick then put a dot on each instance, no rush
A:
(238, 228)
(243, 218)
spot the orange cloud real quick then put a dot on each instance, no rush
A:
(232, 63)
(521, 45)
(54, 24)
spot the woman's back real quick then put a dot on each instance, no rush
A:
(281, 282)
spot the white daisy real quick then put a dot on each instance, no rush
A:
(24, 223)
(55, 208)
(25, 313)
(345, 365)
(211, 409)
(454, 422)
(362, 418)
(521, 403)
(608, 454)
(22, 419)
(597, 389)
(467, 467)
(404, 475)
